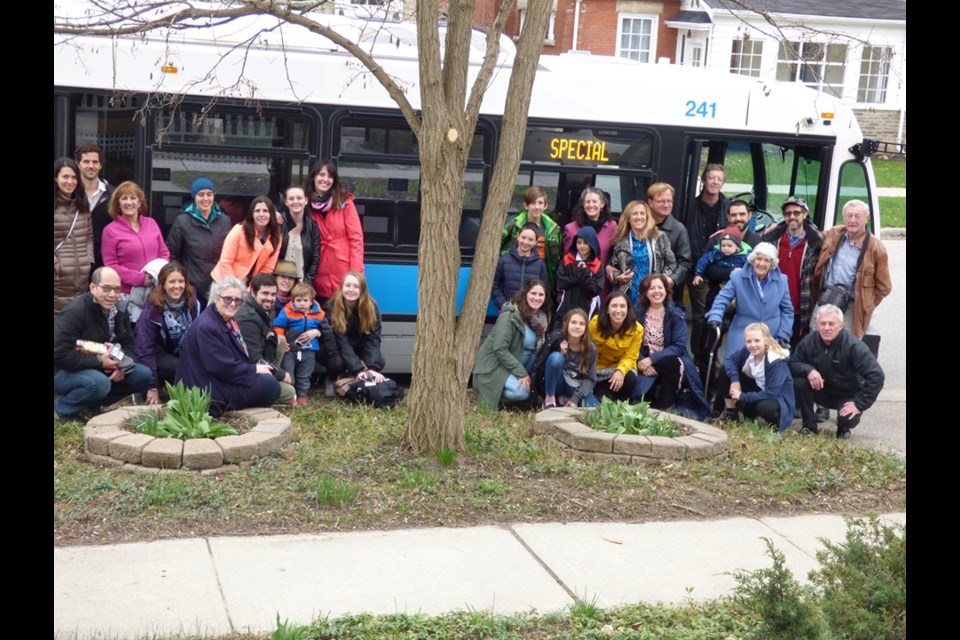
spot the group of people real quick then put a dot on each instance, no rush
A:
(246, 311)
(619, 329)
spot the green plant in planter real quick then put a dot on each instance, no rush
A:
(186, 416)
(621, 417)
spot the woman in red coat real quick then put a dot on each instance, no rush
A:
(341, 235)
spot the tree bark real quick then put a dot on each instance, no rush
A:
(446, 346)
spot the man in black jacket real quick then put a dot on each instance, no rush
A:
(85, 381)
(660, 199)
(255, 320)
(835, 369)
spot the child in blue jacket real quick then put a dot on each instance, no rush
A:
(302, 321)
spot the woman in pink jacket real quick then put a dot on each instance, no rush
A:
(132, 239)
(341, 235)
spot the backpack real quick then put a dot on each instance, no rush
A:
(385, 394)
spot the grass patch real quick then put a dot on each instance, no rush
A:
(890, 173)
(893, 212)
(348, 471)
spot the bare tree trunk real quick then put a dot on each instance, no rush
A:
(446, 347)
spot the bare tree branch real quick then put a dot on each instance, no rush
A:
(494, 31)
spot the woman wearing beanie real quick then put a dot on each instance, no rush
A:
(196, 237)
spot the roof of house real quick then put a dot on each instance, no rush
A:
(871, 9)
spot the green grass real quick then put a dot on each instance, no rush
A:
(348, 471)
(893, 212)
(890, 173)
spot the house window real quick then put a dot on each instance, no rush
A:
(745, 57)
(637, 37)
(815, 64)
(874, 72)
(548, 39)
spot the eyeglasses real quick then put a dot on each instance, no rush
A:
(664, 201)
(793, 212)
(230, 301)
(108, 289)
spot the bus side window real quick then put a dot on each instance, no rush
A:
(853, 186)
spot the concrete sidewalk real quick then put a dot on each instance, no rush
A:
(239, 584)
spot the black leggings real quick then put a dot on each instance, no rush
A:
(663, 393)
(767, 410)
(626, 391)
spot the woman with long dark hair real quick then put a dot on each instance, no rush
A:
(172, 307)
(593, 210)
(618, 336)
(253, 246)
(507, 356)
(73, 254)
(341, 235)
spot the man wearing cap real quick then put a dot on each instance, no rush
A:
(287, 275)
(798, 242)
(85, 381)
(196, 237)
(255, 320)
(832, 367)
(853, 273)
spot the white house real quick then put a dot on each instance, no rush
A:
(854, 49)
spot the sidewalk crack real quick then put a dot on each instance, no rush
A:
(570, 592)
(223, 598)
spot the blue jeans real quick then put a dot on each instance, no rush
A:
(555, 385)
(89, 388)
(511, 389)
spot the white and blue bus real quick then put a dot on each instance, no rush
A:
(254, 109)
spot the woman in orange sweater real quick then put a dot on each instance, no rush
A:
(253, 246)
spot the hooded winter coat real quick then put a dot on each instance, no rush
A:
(580, 281)
(499, 356)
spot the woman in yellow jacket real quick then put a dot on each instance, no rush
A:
(618, 337)
(253, 246)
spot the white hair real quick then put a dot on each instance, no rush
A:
(229, 282)
(829, 308)
(765, 249)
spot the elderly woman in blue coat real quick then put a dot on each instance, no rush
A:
(761, 294)
(213, 355)
(760, 379)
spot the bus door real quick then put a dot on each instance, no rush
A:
(762, 172)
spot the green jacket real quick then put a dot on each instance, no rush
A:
(499, 356)
(552, 245)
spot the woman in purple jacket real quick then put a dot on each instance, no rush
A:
(172, 307)
(213, 356)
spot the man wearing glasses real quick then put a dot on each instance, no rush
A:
(798, 241)
(83, 379)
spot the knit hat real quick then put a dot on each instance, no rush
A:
(286, 268)
(199, 185)
(731, 233)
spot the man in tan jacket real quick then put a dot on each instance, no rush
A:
(853, 270)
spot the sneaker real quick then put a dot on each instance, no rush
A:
(843, 434)
(301, 400)
(822, 414)
(293, 402)
(328, 389)
(809, 431)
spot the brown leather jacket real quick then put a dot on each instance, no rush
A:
(73, 259)
(873, 277)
